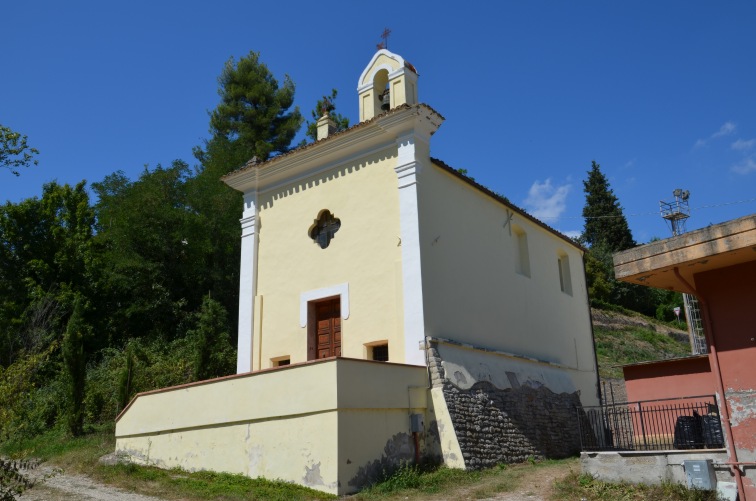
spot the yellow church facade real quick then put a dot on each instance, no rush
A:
(384, 297)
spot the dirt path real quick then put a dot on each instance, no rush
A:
(54, 485)
(526, 484)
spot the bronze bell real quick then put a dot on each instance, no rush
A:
(386, 100)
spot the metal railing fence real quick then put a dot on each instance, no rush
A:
(672, 423)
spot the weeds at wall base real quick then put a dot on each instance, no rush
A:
(586, 487)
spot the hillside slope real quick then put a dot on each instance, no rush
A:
(626, 339)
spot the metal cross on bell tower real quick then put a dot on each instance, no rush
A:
(384, 36)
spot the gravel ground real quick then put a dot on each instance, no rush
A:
(54, 485)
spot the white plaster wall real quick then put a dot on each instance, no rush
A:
(472, 292)
(465, 366)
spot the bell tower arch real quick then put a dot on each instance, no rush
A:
(388, 81)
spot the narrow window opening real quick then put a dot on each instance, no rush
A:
(565, 281)
(381, 91)
(522, 256)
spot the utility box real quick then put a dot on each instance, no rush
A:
(416, 423)
(700, 474)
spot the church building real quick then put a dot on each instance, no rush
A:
(391, 310)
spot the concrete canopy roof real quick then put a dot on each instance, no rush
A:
(714, 247)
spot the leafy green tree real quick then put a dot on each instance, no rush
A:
(605, 224)
(214, 355)
(75, 362)
(254, 112)
(148, 265)
(15, 153)
(45, 259)
(327, 104)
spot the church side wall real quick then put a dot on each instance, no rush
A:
(363, 259)
(474, 294)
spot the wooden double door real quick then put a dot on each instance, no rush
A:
(326, 341)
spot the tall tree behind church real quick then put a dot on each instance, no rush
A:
(606, 231)
(254, 118)
(605, 224)
(254, 112)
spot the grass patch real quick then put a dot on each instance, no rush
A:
(581, 486)
(418, 483)
(81, 455)
(632, 345)
(77, 454)
(202, 485)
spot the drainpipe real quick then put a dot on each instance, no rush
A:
(714, 358)
(599, 393)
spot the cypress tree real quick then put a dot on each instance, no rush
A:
(75, 364)
(605, 224)
(213, 353)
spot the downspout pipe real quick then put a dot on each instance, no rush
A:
(714, 358)
(599, 393)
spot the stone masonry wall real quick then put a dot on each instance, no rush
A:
(508, 425)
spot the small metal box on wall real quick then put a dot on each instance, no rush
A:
(417, 424)
(700, 474)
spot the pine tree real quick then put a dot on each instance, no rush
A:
(254, 112)
(605, 224)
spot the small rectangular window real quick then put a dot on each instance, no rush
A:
(377, 350)
(380, 353)
(280, 361)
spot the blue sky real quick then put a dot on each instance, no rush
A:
(661, 94)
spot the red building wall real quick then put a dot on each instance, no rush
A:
(669, 379)
(730, 297)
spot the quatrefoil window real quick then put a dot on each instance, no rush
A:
(324, 228)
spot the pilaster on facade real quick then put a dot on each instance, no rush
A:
(408, 169)
(247, 283)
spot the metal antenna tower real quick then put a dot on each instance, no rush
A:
(676, 214)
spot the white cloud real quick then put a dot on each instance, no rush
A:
(726, 129)
(572, 233)
(546, 201)
(743, 145)
(746, 166)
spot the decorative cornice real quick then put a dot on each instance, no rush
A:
(377, 133)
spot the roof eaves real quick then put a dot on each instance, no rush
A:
(501, 199)
(300, 149)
